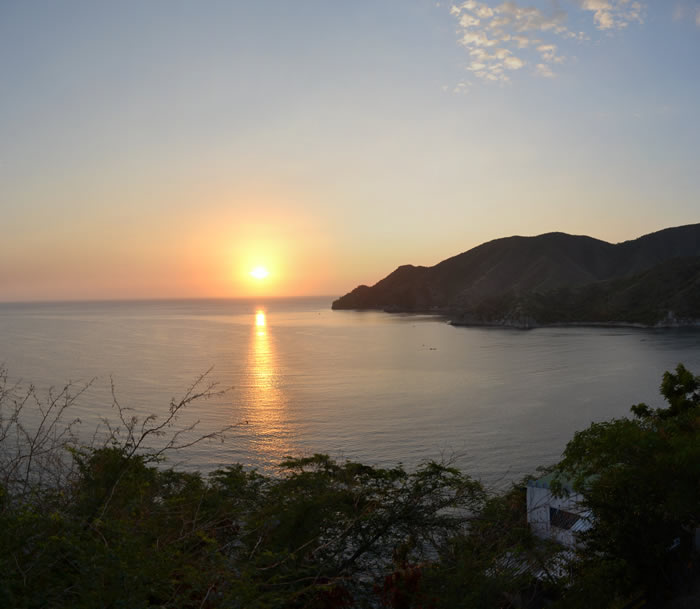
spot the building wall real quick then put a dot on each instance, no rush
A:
(539, 500)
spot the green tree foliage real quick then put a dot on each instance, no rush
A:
(491, 562)
(108, 525)
(640, 478)
(117, 529)
(128, 534)
(328, 531)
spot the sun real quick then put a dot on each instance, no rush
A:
(259, 272)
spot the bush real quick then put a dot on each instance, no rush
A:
(108, 525)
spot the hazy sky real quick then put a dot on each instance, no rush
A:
(165, 148)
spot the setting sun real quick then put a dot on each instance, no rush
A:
(259, 272)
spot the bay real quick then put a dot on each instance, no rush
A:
(370, 386)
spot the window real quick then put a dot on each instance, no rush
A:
(562, 519)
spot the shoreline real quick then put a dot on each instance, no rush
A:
(531, 324)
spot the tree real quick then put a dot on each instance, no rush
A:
(640, 477)
(326, 533)
(108, 525)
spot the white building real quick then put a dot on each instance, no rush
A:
(557, 518)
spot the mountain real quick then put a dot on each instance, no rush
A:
(551, 278)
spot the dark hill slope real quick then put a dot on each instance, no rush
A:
(650, 250)
(666, 295)
(514, 267)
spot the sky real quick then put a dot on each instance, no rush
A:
(164, 149)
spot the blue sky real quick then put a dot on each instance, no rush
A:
(160, 148)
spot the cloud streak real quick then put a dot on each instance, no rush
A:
(614, 14)
(687, 11)
(506, 37)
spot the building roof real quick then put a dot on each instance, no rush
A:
(584, 523)
(545, 482)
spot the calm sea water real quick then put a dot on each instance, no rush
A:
(369, 386)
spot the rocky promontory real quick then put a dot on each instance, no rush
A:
(553, 278)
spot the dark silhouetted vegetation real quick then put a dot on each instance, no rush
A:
(108, 525)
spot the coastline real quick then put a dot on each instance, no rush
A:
(686, 325)
(527, 323)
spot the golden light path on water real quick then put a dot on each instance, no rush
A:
(265, 400)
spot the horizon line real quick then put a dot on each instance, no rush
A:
(164, 299)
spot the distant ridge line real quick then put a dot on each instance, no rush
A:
(551, 278)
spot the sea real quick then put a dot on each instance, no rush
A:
(293, 378)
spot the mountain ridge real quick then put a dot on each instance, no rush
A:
(512, 270)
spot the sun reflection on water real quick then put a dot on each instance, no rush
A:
(265, 400)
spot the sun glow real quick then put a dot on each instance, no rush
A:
(259, 272)
(260, 256)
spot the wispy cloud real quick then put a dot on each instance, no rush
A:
(614, 14)
(544, 70)
(687, 11)
(505, 37)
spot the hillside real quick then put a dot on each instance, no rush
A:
(666, 295)
(551, 278)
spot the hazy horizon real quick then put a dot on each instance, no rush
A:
(251, 299)
(247, 298)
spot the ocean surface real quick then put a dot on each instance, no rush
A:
(370, 386)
